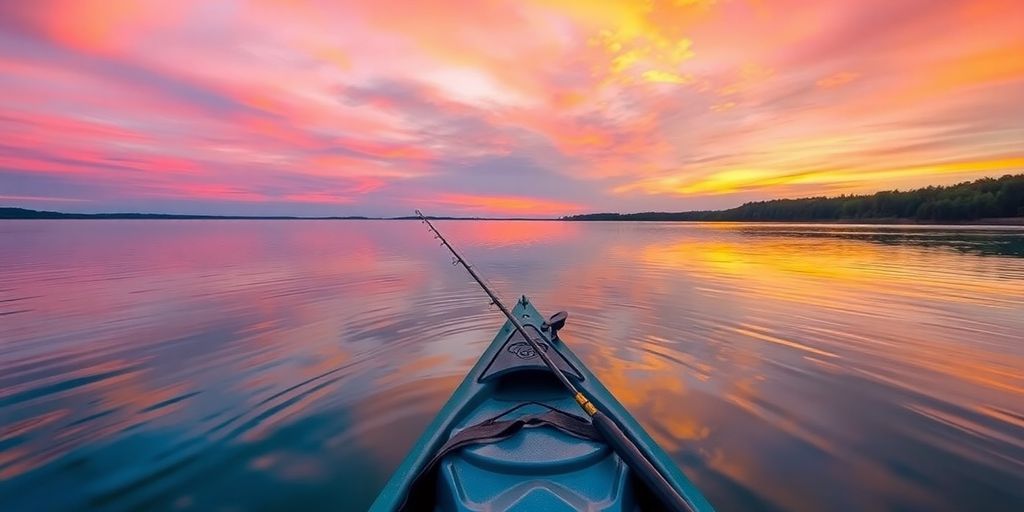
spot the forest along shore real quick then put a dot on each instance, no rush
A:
(984, 201)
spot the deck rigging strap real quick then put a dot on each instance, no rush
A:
(489, 431)
(493, 431)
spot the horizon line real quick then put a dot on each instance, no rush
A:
(122, 215)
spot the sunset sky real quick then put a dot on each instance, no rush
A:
(515, 107)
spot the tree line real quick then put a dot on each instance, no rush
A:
(971, 200)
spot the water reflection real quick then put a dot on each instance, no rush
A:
(279, 365)
(983, 240)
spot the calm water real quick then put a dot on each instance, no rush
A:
(275, 365)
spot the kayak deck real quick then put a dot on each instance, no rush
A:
(539, 466)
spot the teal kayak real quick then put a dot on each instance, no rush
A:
(511, 438)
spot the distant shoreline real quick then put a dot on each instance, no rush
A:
(983, 202)
(26, 214)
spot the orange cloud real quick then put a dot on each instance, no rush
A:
(738, 180)
(666, 77)
(104, 25)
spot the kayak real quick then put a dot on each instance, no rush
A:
(511, 438)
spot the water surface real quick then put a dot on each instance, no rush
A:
(282, 365)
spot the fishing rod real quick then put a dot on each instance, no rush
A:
(610, 430)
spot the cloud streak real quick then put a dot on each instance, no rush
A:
(499, 108)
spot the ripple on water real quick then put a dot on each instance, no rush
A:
(283, 365)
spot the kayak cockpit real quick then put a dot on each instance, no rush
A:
(538, 468)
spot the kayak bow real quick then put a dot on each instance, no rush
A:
(536, 468)
(508, 438)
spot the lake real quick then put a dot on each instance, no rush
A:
(285, 365)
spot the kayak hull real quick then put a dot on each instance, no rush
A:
(539, 468)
